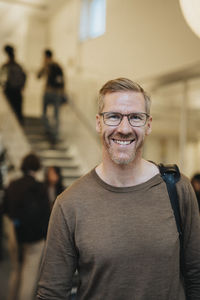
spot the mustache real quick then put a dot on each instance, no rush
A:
(123, 136)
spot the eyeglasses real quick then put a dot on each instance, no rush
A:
(114, 118)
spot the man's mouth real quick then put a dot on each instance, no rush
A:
(123, 142)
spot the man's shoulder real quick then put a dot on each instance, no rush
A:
(25, 181)
(55, 65)
(79, 189)
(16, 182)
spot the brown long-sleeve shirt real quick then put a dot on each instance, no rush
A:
(123, 241)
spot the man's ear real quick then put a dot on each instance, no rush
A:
(149, 125)
(98, 123)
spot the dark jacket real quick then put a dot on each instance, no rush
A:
(26, 204)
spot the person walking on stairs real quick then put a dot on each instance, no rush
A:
(13, 78)
(54, 94)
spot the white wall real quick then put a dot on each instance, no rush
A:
(37, 39)
(142, 39)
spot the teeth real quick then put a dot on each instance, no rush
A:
(123, 142)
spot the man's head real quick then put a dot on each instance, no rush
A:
(48, 55)
(123, 120)
(195, 181)
(30, 163)
(9, 50)
(122, 85)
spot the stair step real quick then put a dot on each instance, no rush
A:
(37, 138)
(64, 164)
(54, 153)
(60, 150)
(56, 157)
(32, 121)
(47, 146)
(68, 182)
(71, 177)
(34, 130)
(72, 173)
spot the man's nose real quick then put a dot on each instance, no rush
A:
(125, 126)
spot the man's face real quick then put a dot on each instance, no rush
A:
(196, 185)
(123, 143)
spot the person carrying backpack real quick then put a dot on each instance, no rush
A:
(13, 79)
(27, 207)
(54, 93)
(130, 227)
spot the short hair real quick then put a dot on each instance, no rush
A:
(120, 85)
(57, 171)
(196, 177)
(9, 50)
(30, 162)
(48, 53)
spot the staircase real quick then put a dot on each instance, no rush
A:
(59, 154)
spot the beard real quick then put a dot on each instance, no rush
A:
(123, 156)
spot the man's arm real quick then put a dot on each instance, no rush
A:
(41, 73)
(191, 230)
(59, 261)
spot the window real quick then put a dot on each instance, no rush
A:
(93, 19)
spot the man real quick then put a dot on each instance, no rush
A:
(53, 94)
(116, 224)
(13, 78)
(26, 204)
(195, 181)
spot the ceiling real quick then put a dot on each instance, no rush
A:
(13, 14)
(39, 6)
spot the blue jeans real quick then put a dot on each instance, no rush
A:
(52, 127)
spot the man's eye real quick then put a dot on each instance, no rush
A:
(113, 117)
(136, 117)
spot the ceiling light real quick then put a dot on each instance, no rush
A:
(191, 12)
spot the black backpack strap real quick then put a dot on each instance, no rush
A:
(171, 175)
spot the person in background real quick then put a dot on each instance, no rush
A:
(115, 225)
(53, 182)
(53, 93)
(27, 207)
(13, 78)
(195, 181)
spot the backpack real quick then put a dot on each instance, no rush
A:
(55, 77)
(171, 175)
(16, 76)
(31, 224)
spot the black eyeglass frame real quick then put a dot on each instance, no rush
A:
(125, 115)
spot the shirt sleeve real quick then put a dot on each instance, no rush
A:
(191, 248)
(59, 261)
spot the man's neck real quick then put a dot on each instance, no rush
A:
(126, 175)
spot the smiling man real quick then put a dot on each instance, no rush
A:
(115, 224)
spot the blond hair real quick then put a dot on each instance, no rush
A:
(120, 85)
